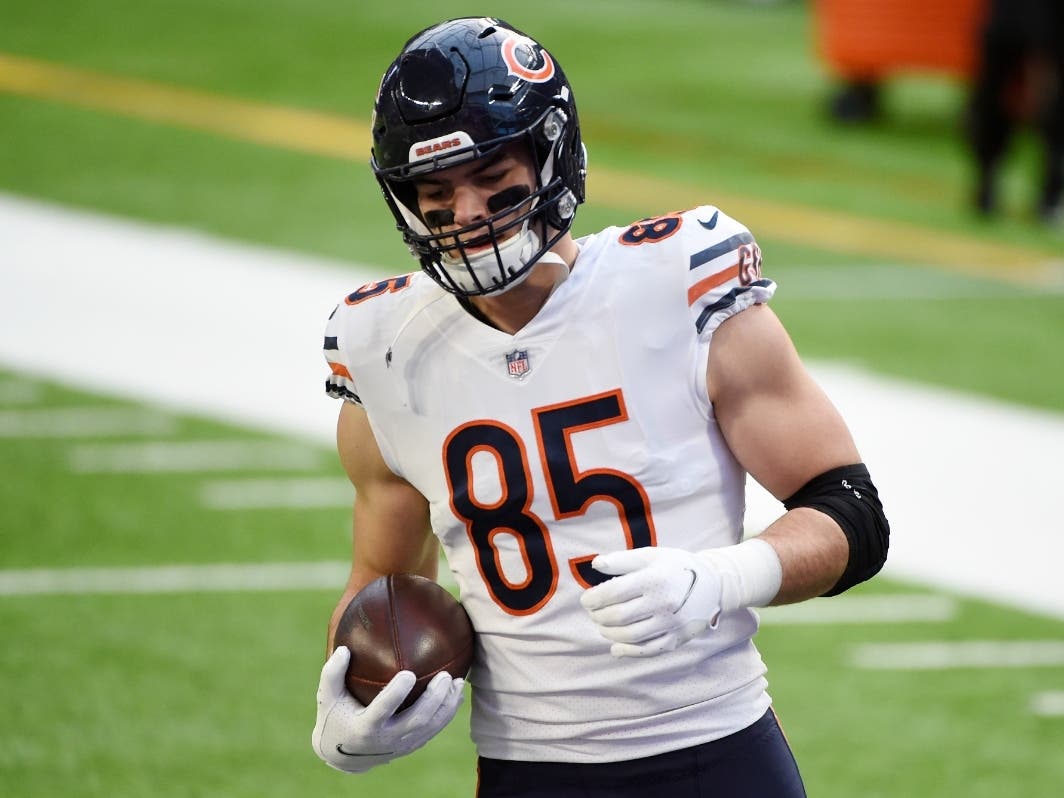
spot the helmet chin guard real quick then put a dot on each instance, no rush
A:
(459, 91)
(496, 270)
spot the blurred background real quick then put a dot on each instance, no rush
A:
(184, 196)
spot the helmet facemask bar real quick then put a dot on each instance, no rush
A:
(540, 218)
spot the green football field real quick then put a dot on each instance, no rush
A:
(164, 606)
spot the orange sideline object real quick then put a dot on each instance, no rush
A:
(866, 40)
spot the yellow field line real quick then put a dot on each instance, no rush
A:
(834, 231)
(290, 128)
(341, 137)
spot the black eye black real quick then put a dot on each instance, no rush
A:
(440, 218)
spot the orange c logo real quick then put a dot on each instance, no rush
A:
(515, 67)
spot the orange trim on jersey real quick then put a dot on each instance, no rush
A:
(504, 494)
(526, 511)
(707, 284)
(579, 474)
(522, 549)
(340, 370)
(652, 230)
(378, 287)
(574, 567)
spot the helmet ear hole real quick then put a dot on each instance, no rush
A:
(554, 124)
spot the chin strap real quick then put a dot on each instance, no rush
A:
(550, 256)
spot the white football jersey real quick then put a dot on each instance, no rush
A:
(587, 431)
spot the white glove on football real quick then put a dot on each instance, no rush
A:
(354, 738)
(658, 599)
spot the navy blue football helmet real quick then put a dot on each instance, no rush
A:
(459, 91)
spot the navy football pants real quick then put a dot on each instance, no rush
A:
(753, 763)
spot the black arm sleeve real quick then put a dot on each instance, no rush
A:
(847, 495)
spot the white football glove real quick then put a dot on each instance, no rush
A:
(658, 599)
(354, 738)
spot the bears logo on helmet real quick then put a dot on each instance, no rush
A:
(538, 75)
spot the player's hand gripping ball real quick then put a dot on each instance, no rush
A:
(403, 622)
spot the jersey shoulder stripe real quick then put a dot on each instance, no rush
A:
(738, 298)
(720, 257)
(721, 248)
(339, 384)
(723, 269)
(359, 325)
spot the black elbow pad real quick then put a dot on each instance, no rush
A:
(847, 495)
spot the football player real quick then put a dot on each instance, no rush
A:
(1021, 63)
(573, 420)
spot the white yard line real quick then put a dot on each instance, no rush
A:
(861, 610)
(262, 494)
(946, 655)
(1048, 704)
(228, 578)
(192, 456)
(331, 575)
(83, 422)
(971, 485)
(175, 579)
(171, 316)
(884, 281)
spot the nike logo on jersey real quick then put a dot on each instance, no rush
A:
(340, 748)
(712, 221)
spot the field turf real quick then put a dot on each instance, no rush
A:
(204, 691)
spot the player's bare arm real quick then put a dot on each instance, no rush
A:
(391, 536)
(784, 431)
(391, 519)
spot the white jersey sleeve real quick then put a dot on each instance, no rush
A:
(721, 258)
(710, 256)
(340, 384)
(724, 269)
(347, 334)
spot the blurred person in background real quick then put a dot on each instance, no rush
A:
(1020, 79)
(573, 420)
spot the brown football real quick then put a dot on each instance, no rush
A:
(403, 622)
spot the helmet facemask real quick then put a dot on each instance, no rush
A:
(459, 91)
(522, 227)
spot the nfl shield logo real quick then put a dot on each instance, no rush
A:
(517, 363)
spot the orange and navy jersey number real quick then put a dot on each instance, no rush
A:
(649, 231)
(571, 491)
(746, 269)
(370, 290)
